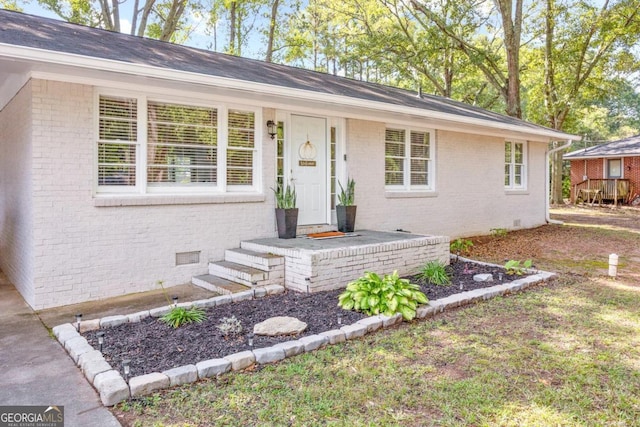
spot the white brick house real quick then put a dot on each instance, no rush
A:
(92, 206)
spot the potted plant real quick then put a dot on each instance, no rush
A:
(286, 211)
(346, 209)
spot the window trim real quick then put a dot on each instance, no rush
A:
(525, 165)
(141, 188)
(428, 189)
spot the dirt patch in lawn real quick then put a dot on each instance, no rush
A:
(153, 346)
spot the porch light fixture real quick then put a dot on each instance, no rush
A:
(78, 320)
(250, 339)
(100, 336)
(272, 128)
(126, 368)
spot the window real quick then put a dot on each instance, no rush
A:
(181, 145)
(514, 165)
(408, 159)
(146, 145)
(614, 168)
(117, 141)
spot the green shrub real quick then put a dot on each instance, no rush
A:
(498, 232)
(460, 246)
(179, 316)
(516, 267)
(435, 273)
(389, 295)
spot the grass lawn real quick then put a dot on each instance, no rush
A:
(567, 354)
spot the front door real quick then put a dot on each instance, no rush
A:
(309, 167)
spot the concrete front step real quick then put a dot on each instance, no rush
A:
(239, 273)
(259, 260)
(218, 284)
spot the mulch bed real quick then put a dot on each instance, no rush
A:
(153, 346)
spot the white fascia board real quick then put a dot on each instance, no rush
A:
(602, 156)
(73, 60)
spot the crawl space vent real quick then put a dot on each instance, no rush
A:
(185, 258)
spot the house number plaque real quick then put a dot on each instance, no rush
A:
(306, 163)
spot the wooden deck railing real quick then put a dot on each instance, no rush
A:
(593, 190)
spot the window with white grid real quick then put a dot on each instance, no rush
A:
(408, 159)
(146, 145)
(515, 165)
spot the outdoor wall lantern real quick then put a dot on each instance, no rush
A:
(78, 320)
(272, 129)
(100, 336)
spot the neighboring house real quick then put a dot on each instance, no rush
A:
(606, 172)
(121, 157)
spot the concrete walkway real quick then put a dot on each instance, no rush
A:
(36, 370)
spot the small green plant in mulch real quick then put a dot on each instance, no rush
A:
(498, 232)
(517, 267)
(230, 326)
(179, 316)
(460, 246)
(435, 272)
(386, 295)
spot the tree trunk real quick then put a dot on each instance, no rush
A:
(512, 27)
(173, 18)
(272, 30)
(146, 11)
(232, 27)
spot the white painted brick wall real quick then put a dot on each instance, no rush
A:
(470, 191)
(85, 252)
(16, 188)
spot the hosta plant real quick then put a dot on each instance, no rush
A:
(386, 295)
(516, 267)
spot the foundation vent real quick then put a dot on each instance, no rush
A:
(516, 223)
(185, 258)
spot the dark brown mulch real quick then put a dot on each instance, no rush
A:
(153, 346)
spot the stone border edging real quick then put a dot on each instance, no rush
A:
(113, 388)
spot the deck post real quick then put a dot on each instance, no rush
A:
(615, 192)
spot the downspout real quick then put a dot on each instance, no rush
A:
(546, 182)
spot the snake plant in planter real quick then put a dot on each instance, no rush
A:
(346, 209)
(286, 211)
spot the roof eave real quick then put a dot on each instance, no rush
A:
(92, 63)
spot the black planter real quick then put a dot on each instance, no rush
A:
(346, 218)
(287, 220)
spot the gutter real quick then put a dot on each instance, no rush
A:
(547, 184)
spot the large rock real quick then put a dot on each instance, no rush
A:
(281, 325)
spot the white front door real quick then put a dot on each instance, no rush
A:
(309, 167)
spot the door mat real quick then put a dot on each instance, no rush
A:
(326, 235)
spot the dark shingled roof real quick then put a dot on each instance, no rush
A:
(53, 35)
(623, 147)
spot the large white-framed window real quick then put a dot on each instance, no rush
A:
(409, 155)
(515, 165)
(149, 144)
(614, 168)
